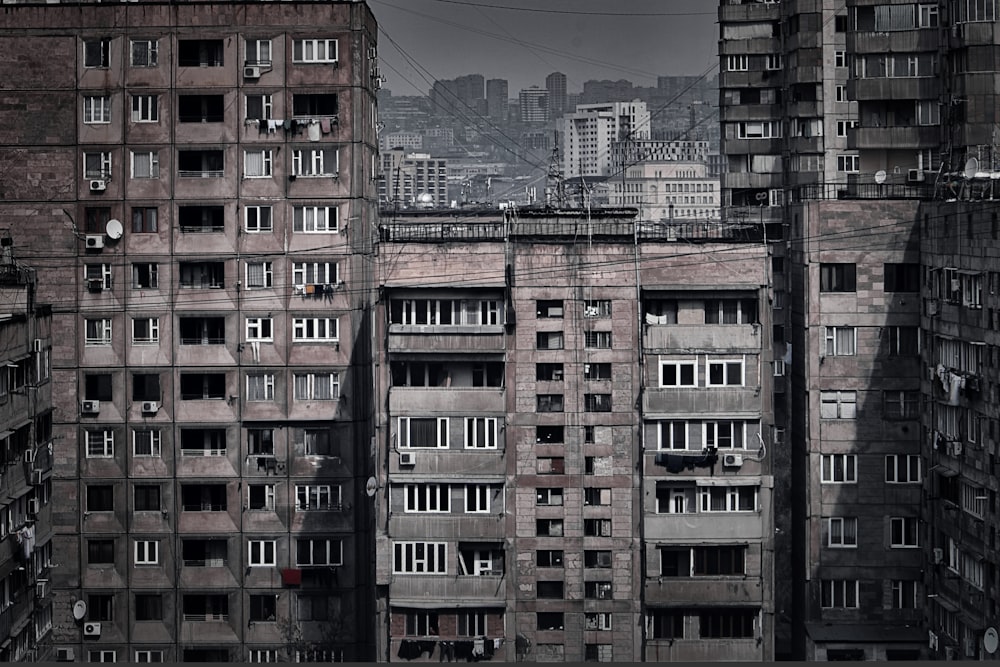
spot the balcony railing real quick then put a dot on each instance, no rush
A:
(205, 562)
(203, 452)
(201, 173)
(208, 616)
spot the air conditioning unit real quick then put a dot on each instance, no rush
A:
(95, 241)
(91, 629)
(914, 176)
(41, 588)
(95, 285)
(90, 407)
(65, 655)
(938, 555)
(36, 477)
(32, 509)
(98, 186)
(29, 456)
(732, 460)
(150, 406)
(251, 72)
(407, 459)
(38, 345)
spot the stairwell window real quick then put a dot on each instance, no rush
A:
(315, 219)
(314, 51)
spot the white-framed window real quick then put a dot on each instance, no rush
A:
(778, 368)
(143, 657)
(844, 125)
(420, 558)
(841, 532)
(678, 373)
(316, 386)
(259, 275)
(904, 532)
(315, 162)
(481, 432)
(260, 386)
(147, 552)
(97, 164)
(849, 163)
(261, 497)
(312, 497)
(928, 112)
(599, 340)
(477, 498)
(103, 655)
(758, 129)
(261, 553)
(146, 443)
(672, 435)
(975, 500)
(314, 51)
(96, 109)
(598, 620)
(145, 330)
(260, 329)
(903, 593)
(315, 329)
(427, 498)
(98, 276)
(840, 93)
(318, 552)
(315, 219)
(839, 593)
(903, 469)
(259, 107)
(258, 163)
(145, 108)
(772, 61)
(838, 404)
(315, 273)
(725, 434)
(928, 16)
(100, 444)
(738, 63)
(840, 58)
(725, 373)
(727, 498)
(423, 432)
(257, 219)
(839, 469)
(262, 655)
(143, 52)
(145, 164)
(258, 51)
(841, 341)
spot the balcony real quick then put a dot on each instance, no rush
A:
(665, 401)
(448, 589)
(452, 338)
(703, 338)
(924, 136)
(466, 400)
(898, 41)
(750, 12)
(735, 526)
(695, 590)
(207, 163)
(410, 526)
(909, 88)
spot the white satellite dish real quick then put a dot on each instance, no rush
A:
(114, 229)
(991, 640)
(880, 176)
(79, 610)
(971, 167)
(371, 486)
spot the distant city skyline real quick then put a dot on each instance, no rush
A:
(637, 40)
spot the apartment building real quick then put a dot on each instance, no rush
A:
(26, 557)
(590, 131)
(194, 184)
(408, 180)
(573, 442)
(667, 191)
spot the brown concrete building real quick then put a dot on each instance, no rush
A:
(195, 182)
(573, 440)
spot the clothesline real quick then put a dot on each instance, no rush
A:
(313, 127)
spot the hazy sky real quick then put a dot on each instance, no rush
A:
(525, 40)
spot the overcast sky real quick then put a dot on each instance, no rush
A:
(525, 40)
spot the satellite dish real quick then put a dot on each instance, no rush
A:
(880, 176)
(114, 229)
(991, 640)
(971, 167)
(79, 610)
(371, 486)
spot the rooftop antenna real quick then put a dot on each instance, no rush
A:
(555, 188)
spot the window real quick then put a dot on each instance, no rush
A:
(146, 331)
(258, 52)
(731, 311)
(903, 469)
(902, 341)
(203, 386)
(481, 432)
(666, 623)
(315, 497)
(261, 553)
(314, 51)
(257, 163)
(259, 107)
(145, 108)
(200, 52)
(904, 591)
(316, 442)
(318, 552)
(838, 404)
(549, 527)
(201, 218)
(97, 165)
(549, 558)
(259, 275)
(257, 219)
(725, 434)
(597, 308)
(841, 341)
(144, 52)
(598, 620)
(98, 276)
(202, 275)
(600, 340)
(97, 387)
(145, 164)
(201, 163)
(102, 655)
(97, 52)
(260, 441)
(843, 126)
(472, 623)
(144, 221)
(672, 435)
(840, 58)
(316, 386)
(260, 329)
(549, 620)
(900, 404)
(96, 109)
(974, 500)
(725, 373)
(597, 402)
(315, 162)
(678, 373)
(727, 498)
(549, 309)
(100, 552)
(598, 590)
(598, 371)
(427, 498)
(148, 607)
(315, 329)
(737, 63)
(263, 608)
(260, 387)
(147, 552)
(100, 444)
(96, 219)
(597, 527)
(596, 497)
(849, 163)
(902, 277)
(772, 61)
(838, 593)
(551, 465)
(758, 130)
(549, 340)
(420, 558)
(548, 497)
(260, 497)
(315, 219)
(837, 277)
(841, 531)
(146, 443)
(423, 432)
(549, 403)
(839, 468)
(421, 624)
(726, 623)
(550, 590)
(145, 387)
(143, 657)
(314, 273)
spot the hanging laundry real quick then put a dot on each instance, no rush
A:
(313, 130)
(324, 125)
